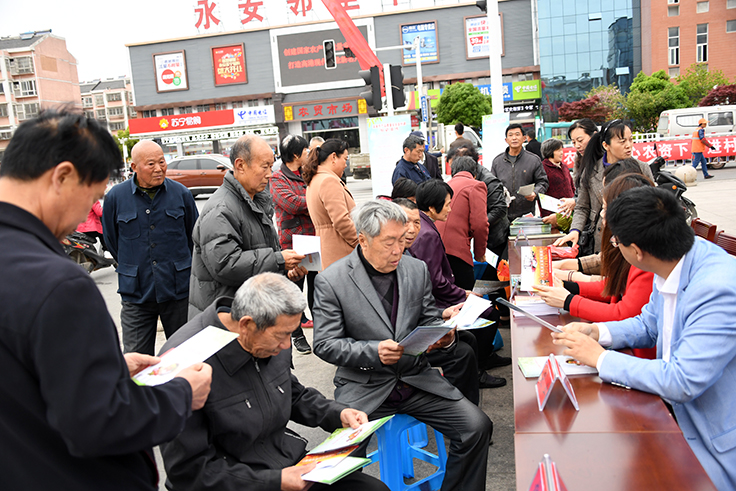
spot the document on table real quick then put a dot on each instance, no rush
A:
(196, 349)
(473, 307)
(549, 203)
(308, 245)
(526, 190)
(422, 337)
(531, 366)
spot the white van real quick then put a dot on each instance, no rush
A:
(683, 122)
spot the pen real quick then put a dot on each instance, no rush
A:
(620, 385)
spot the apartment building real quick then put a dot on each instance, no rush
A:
(683, 32)
(36, 72)
(110, 101)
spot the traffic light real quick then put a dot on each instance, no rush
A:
(329, 53)
(372, 80)
(397, 86)
(481, 4)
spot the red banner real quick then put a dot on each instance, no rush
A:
(181, 122)
(670, 149)
(229, 65)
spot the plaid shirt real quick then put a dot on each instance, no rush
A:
(288, 191)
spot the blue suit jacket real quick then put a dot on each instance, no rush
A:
(700, 378)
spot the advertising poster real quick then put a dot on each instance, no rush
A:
(385, 137)
(428, 45)
(171, 71)
(229, 65)
(494, 141)
(477, 36)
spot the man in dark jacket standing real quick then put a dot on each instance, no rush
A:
(516, 168)
(234, 237)
(240, 440)
(409, 165)
(532, 145)
(72, 418)
(147, 224)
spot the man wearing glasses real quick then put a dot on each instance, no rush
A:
(690, 318)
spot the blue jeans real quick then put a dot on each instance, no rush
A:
(698, 158)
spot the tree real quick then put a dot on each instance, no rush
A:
(649, 96)
(722, 95)
(602, 104)
(590, 107)
(462, 103)
(124, 136)
(698, 81)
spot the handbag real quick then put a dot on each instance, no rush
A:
(587, 239)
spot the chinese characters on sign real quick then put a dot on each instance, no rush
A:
(311, 111)
(254, 116)
(428, 46)
(171, 71)
(180, 122)
(477, 36)
(204, 11)
(670, 149)
(229, 65)
(249, 11)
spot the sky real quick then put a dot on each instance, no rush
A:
(96, 32)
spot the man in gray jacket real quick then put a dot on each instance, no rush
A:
(517, 168)
(234, 237)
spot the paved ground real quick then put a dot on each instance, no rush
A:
(716, 202)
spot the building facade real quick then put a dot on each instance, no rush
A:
(199, 94)
(684, 32)
(36, 72)
(109, 101)
(584, 44)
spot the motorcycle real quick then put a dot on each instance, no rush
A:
(667, 180)
(81, 248)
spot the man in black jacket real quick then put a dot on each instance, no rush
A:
(532, 145)
(72, 418)
(239, 440)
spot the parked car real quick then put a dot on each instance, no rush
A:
(200, 173)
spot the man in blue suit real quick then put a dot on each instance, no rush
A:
(690, 318)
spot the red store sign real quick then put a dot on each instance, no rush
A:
(181, 122)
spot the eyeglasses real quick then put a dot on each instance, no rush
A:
(614, 241)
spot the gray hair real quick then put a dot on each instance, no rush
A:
(412, 141)
(265, 297)
(464, 164)
(550, 146)
(371, 216)
(241, 149)
(316, 139)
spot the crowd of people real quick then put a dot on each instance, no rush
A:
(388, 266)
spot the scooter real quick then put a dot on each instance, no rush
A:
(81, 248)
(667, 180)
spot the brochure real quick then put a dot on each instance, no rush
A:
(473, 307)
(309, 246)
(549, 203)
(327, 472)
(526, 190)
(531, 366)
(536, 267)
(196, 349)
(422, 337)
(345, 437)
(534, 305)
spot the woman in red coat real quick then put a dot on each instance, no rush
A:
(93, 225)
(625, 289)
(467, 220)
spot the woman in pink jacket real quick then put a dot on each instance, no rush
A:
(467, 220)
(93, 225)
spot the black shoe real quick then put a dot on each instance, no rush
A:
(301, 345)
(486, 381)
(495, 361)
(710, 176)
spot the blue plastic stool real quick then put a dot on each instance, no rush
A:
(400, 441)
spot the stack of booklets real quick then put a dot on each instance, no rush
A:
(530, 226)
(534, 305)
(332, 456)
